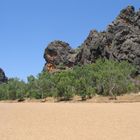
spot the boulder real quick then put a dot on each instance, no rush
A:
(58, 55)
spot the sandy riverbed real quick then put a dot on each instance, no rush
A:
(69, 121)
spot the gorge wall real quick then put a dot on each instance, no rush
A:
(120, 41)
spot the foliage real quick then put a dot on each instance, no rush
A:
(113, 77)
(105, 77)
(63, 83)
(14, 89)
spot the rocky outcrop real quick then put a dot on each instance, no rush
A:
(3, 78)
(125, 31)
(59, 55)
(120, 41)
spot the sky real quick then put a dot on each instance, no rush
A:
(28, 26)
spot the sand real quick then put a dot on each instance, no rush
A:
(69, 121)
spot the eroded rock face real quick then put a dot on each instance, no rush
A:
(58, 55)
(121, 41)
(126, 36)
(3, 78)
(92, 48)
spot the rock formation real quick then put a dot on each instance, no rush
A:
(3, 78)
(58, 55)
(120, 41)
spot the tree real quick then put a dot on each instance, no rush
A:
(113, 77)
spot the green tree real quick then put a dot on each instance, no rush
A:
(113, 77)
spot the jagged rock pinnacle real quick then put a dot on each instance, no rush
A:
(120, 41)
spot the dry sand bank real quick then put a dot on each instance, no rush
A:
(126, 98)
(69, 121)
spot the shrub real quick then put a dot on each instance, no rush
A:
(12, 90)
(105, 77)
(113, 77)
(64, 85)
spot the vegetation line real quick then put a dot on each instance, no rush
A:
(105, 77)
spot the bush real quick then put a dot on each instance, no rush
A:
(113, 77)
(105, 77)
(84, 81)
(12, 90)
(64, 85)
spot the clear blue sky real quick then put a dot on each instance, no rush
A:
(27, 26)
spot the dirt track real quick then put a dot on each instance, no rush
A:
(69, 121)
